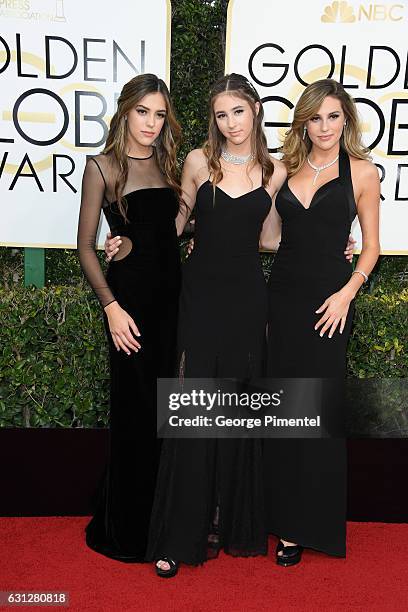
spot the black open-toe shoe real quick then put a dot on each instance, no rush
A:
(169, 573)
(213, 539)
(291, 554)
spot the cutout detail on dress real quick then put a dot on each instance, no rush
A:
(124, 249)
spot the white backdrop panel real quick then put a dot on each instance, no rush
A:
(277, 45)
(94, 48)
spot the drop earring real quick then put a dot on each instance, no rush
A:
(304, 133)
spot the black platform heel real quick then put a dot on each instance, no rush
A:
(172, 571)
(291, 554)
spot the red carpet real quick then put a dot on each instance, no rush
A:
(50, 554)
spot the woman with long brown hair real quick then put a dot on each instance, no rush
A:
(210, 492)
(330, 180)
(134, 182)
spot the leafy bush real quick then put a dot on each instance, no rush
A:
(378, 344)
(53, 360)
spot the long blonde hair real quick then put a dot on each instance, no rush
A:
(238, 85)
(296, 148)
(166, 144)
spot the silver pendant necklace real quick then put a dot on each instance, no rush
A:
(318, 169)
(236, 159)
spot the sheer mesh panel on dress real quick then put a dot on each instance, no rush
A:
(98, 191)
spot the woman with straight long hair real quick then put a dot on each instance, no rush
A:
(311, 304)
(210, 492)
(134, 182)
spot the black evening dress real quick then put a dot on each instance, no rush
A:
(145, 280)
(305, 479)
(210, 492)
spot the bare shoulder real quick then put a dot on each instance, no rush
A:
(195, 165)
(196, 158)
(280, 167)
(365, 178)
(279, 173)
(363, 169)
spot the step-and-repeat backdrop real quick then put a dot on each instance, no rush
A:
(63, 63)
(282, 46)
(62, 66)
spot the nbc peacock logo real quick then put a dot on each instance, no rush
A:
(338, 12)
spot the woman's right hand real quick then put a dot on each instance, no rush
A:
(121, 326)
(190, 246)
(111, 246)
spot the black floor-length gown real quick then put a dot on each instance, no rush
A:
(145, 280)
(222, 322)
(305, 479)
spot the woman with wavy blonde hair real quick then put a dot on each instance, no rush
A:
(311, 303)
(297, 143)
(134, 182)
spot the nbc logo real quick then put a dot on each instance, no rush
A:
(338, 11)
(342, 12)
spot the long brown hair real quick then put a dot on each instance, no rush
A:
(296, 148)
(166, 143)
(238, 85)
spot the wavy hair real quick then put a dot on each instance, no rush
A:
(237, 85)
(296, 148)
(166, 144)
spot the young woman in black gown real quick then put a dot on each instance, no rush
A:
(222, 323)
(311, 304)
(134, 182)
(210, 492)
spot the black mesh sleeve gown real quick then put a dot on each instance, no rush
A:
(306, 479)
(206, 486)
(144, 279)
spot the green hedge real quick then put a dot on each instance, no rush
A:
(378, 345)
(53, 353)
(53, 360)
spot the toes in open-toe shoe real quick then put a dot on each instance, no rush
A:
(291, 554)
(167, 573)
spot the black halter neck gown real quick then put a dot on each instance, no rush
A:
(306, 479)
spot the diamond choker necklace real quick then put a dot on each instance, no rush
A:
(236, 159)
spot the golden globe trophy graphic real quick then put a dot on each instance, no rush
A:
(59, 10)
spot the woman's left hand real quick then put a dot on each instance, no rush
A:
(111, 246)
(335, 310)
(350, 248)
